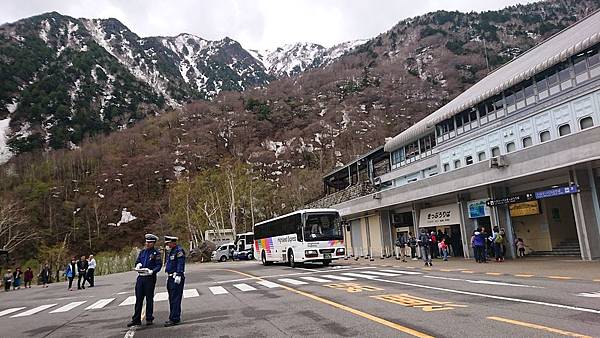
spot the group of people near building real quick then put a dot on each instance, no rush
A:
(16, 279)
(430, 245)
(489, 245)
(83, 269)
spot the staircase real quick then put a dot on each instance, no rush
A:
(565, 248)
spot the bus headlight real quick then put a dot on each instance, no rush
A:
(340, 252)
(311, 253)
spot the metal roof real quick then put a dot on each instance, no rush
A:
(361, 157)
(554, 50)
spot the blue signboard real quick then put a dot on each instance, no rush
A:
(572, 189)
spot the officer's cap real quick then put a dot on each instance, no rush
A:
(150, 238)
(169, 239)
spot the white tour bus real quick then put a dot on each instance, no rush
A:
(310, 235)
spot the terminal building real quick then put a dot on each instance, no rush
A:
(519, 150)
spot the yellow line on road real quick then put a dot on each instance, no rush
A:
(365, 315)
(467, 271)
(446, 270)
(493, 273)
(596, 280)
(559, 277)
(539, 327)
(526, 276)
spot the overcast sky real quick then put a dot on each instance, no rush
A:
(256, 24)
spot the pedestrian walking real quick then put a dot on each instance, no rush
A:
(71, 271)
(17, 278)
(7, 280)
(27, 278)
(433, 246)
(412, 240)
(89, 277)
(175, 269)
(82, 266)
(444, 249)
(478, 244)
(424, 242)
(148, 264)
(401, 247)
(45, 275)
(498, 241)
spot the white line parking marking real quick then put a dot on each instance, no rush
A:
(589, 294)
(190, 293)
(517, 300)
(342, 278)
(218, 290)
(128, 301)
(9, 311)
(67, 307)
(387, 274)
(100, 304)
(244, 287)
(33, 311)
(292, 281)
(402, 272)
(268, 284)
(316, 279)
(484, 282)
(313, 272)
(161, 296)
(359, 275)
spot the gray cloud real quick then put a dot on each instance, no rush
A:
(254, 23)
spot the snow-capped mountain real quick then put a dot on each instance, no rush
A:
(293, 59)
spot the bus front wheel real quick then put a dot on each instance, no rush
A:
(291, 259)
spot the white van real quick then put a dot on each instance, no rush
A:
(223, 252)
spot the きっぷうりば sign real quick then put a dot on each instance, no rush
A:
(436, 216)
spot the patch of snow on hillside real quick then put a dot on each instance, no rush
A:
(44, 30)
(5, 153)
(126, 217)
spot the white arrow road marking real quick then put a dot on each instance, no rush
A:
(403, 272)
(100, 304)
(244, 287)
(316, 279)
(268, 284)
(128, 301)
(67, 307)
(190, 293)
(33, 311)
(9, 311)
(218, 290)
(589, 294)
(292, 281)
(342, 278)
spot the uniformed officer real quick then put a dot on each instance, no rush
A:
(148, 264)
(175, 268)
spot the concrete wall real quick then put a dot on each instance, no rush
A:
(561, 228)
(534, 230)
(375, 235)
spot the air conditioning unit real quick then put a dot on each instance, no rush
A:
(498, 162)
(377, 196)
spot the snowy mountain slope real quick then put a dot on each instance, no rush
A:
(293, 59)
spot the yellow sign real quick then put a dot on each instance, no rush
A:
(417, 302)
(524, 208)
(353, 287)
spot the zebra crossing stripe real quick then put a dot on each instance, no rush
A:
(100, 304)
(33, 311)
(292, 281)
(218, 290)
(342, 278)
(244, 287)
(403, 272)
(161, 296)
(316, 279)
(268, 284)
(128, 301)
(359, 275)
(9, 311)
(190, 293)
(67, 307)
(377, 273)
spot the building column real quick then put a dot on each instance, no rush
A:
(416, 213)
(585, 210)
(501, 218)
(387, 238)
(464, 234)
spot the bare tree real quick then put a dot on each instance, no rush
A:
(13, 226)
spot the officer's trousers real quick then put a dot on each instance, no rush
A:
(175, 295)
(144, 288)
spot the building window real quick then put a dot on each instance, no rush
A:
(593, 58)
(565, 129)
(397, 156)
(481, 156)
(586, 122)
(495, 152)
(469, 160)
(545, 136)
(527, 141)
(456, 164)
(510, 147)
(446, 167)
(579, 65)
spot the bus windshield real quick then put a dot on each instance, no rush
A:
(323, 227)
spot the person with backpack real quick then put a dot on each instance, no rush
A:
(497, 241)
(70, 272)
(401, 246)
(412, 242)
(424, 243)
(478, 243)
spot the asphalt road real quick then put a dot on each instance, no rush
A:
(245, 299)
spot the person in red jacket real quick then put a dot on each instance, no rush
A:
(28, 277)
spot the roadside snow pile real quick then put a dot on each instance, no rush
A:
(126, 217)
